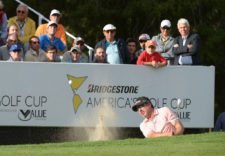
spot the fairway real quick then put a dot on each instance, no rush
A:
(197, 144)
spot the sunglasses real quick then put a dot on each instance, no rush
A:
(130, 45)
(16, 51)
(21, 11)
(51, 52)
(80, 43)
(108, 31)
(35, 42)
(142, 105)
(56, 15)
(166, 28)
(142, 41)
(12, 41)
(152, 47)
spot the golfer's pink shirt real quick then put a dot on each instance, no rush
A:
(160, 122)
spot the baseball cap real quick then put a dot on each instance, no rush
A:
(15, 48)
(165, 23)
(75, 49)
(140, 102)
(150, 43)
(109, 27)
(144, 37)
(79, 39)
(54, 11)
(52, 23)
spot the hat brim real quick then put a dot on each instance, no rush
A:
(138, 105)
(16, 50)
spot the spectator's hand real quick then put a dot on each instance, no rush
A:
(155, 64)
(176, 45)
(189, 46)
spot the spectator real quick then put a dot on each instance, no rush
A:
(3, 24)
(142, 39)
(165, 41)
(220, 123)
(79, 42)
(116, 50)
(4, 50)
(26, 26)
(12, 29)
(50, 39)
(151, 57)
(186, 46)
(50, 55)
(132, 47)
(74, 56)
(157, 122)
(34, 54)
(100, 55)
(15, 53)
(55, 15)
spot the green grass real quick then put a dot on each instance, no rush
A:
(199, 144)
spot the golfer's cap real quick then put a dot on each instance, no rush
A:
(75, 49)
(150, 43)
(15, 48)
(144, 37)
(165, 23)
(109, 27)
(52, 23)
(54, 11)
(141, 101)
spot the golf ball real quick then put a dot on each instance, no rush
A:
(178, 102)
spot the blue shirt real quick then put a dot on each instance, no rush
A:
(45, 42)
(112, 53)
(220, 123)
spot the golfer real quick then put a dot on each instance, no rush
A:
(157, 122)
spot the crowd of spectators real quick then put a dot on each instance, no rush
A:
(37, 44)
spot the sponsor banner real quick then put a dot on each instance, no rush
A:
(81, 95)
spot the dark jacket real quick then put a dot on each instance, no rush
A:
(123, 52)
(194, 52)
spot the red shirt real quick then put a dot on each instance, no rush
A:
(145, 57)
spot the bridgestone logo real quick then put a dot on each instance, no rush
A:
(112, 89)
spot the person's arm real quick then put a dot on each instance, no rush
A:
(157, 64)
(62, 34)
(179, 128)
(159, 134)
(4, 28)
(41, 30)
(193, 45)
(140, 60)
(29, 31)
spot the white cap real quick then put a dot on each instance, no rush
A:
(109, 27)
(52, 22)
(54, 11)
(144, 37)
(79, 39)
(166, 23)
